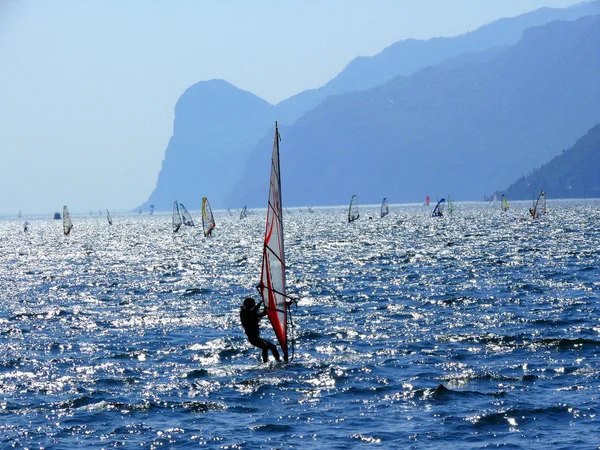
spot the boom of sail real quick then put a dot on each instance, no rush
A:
(438, 211)
(208, 220)
(67, 224)
(176, 217)
(272, 281)
(385, 210)
(353, 209)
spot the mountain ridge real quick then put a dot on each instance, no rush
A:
(438, 127)
(575, 173)
(211, 136)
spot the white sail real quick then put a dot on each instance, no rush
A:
(272, 283)
(539, 209)
(208, 220)
(176, 217)
(186, 217)
(67, 224)
(353, 213)
(385, 210)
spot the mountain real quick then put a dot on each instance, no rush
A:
(407, 56)
(575, 173)
(462, 130)
(216, 124)
(213, 121)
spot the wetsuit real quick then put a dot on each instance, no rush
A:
(250, 318)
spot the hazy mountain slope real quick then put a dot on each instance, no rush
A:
(463, 130)
(407, 56)
(575, 173)
(216, 125)
(213, 122)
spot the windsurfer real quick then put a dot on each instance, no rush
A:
(250, 318)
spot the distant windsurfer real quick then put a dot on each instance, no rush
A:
(250, 318)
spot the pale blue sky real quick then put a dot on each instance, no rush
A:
(88, 88)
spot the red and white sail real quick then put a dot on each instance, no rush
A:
(272, 286)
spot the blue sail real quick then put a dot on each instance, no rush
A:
(438, 211)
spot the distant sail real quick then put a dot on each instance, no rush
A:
(450, 205)
(208, 220)
(186, 217)
(310, 210)
(67, 224)
(438, 211)
(539, 209)
(385, 210)
(176, 217)
(504, 203)
(108, 217)
(244, 212)
(20, 215)
(272, 281)
(427, 200)
(353, 209)
(151, 209)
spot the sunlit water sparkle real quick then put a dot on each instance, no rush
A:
(468, 331)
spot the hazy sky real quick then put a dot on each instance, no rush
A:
(88, 88)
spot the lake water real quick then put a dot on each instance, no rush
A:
(476, 330)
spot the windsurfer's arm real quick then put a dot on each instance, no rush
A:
(263, 312)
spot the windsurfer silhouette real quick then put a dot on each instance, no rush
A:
(250, 318)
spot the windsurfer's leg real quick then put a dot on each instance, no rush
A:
(262, 344)
(274, 350)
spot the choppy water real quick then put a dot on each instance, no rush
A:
(412, 332)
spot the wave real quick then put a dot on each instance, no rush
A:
(191, 292)
(93, 403)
